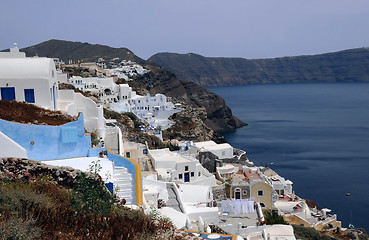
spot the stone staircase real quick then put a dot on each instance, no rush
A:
(123, 184)
(173, 200)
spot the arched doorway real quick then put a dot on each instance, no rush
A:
(237, 193)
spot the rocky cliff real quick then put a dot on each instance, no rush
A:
(218, 116)
(344, 66)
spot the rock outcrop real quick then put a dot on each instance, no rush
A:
(189, 124)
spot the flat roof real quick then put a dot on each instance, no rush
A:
(165, 155)
(84, 163)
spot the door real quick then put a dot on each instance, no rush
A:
(54, 97)
(238, 195)
(187, 177)
(8, 93)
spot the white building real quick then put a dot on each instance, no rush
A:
(222, 151)
(128, 69)
(153, 110)
(33, 80)
(179, 169)
(72, 103)
(104, 88)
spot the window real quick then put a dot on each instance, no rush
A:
(29, 95)
(180, 176)
(128, 154)
(8, 93)
(260, 193)
(192, 174)
(186, 168)
(262, 204)
(199, 174)
(244, 192)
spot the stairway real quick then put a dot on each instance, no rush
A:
(123, 184)
(173, 200)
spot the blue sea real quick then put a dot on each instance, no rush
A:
(316, 135)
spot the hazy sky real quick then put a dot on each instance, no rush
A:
(229, 28)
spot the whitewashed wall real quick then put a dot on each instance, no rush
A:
(9, 148)
(72, 103)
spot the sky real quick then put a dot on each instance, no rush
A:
(213, 28)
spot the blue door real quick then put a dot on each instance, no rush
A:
(29, 95)
(8, 93)
(54, 97)
(187, 177)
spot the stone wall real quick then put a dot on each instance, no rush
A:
(219, 193)
(28, 170)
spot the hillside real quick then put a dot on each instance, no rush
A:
(67, 50)
(344, 66)
(218, 117)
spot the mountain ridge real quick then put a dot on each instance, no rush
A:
(350, 65)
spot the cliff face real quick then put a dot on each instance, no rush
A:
(218, 117)
(344, 66)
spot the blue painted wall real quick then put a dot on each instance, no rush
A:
(49, 142)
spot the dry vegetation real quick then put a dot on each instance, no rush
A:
(45, 210)
(23, 112)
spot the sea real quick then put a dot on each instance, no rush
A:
(316, 135)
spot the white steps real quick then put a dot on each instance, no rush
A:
(123, 184)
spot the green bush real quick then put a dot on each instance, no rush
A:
(110, 114)
(91, 196)
(94, 139)
(272, 217)
(308, 233)
(132, 116)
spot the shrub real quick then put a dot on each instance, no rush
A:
(272, 217)
(308, 233)
(18, 228)
(110, 114)
(132, 116)
(44, 210)
(91, 196)
(94, 139)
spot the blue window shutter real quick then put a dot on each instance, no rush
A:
(8, 93)
(29, 95)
